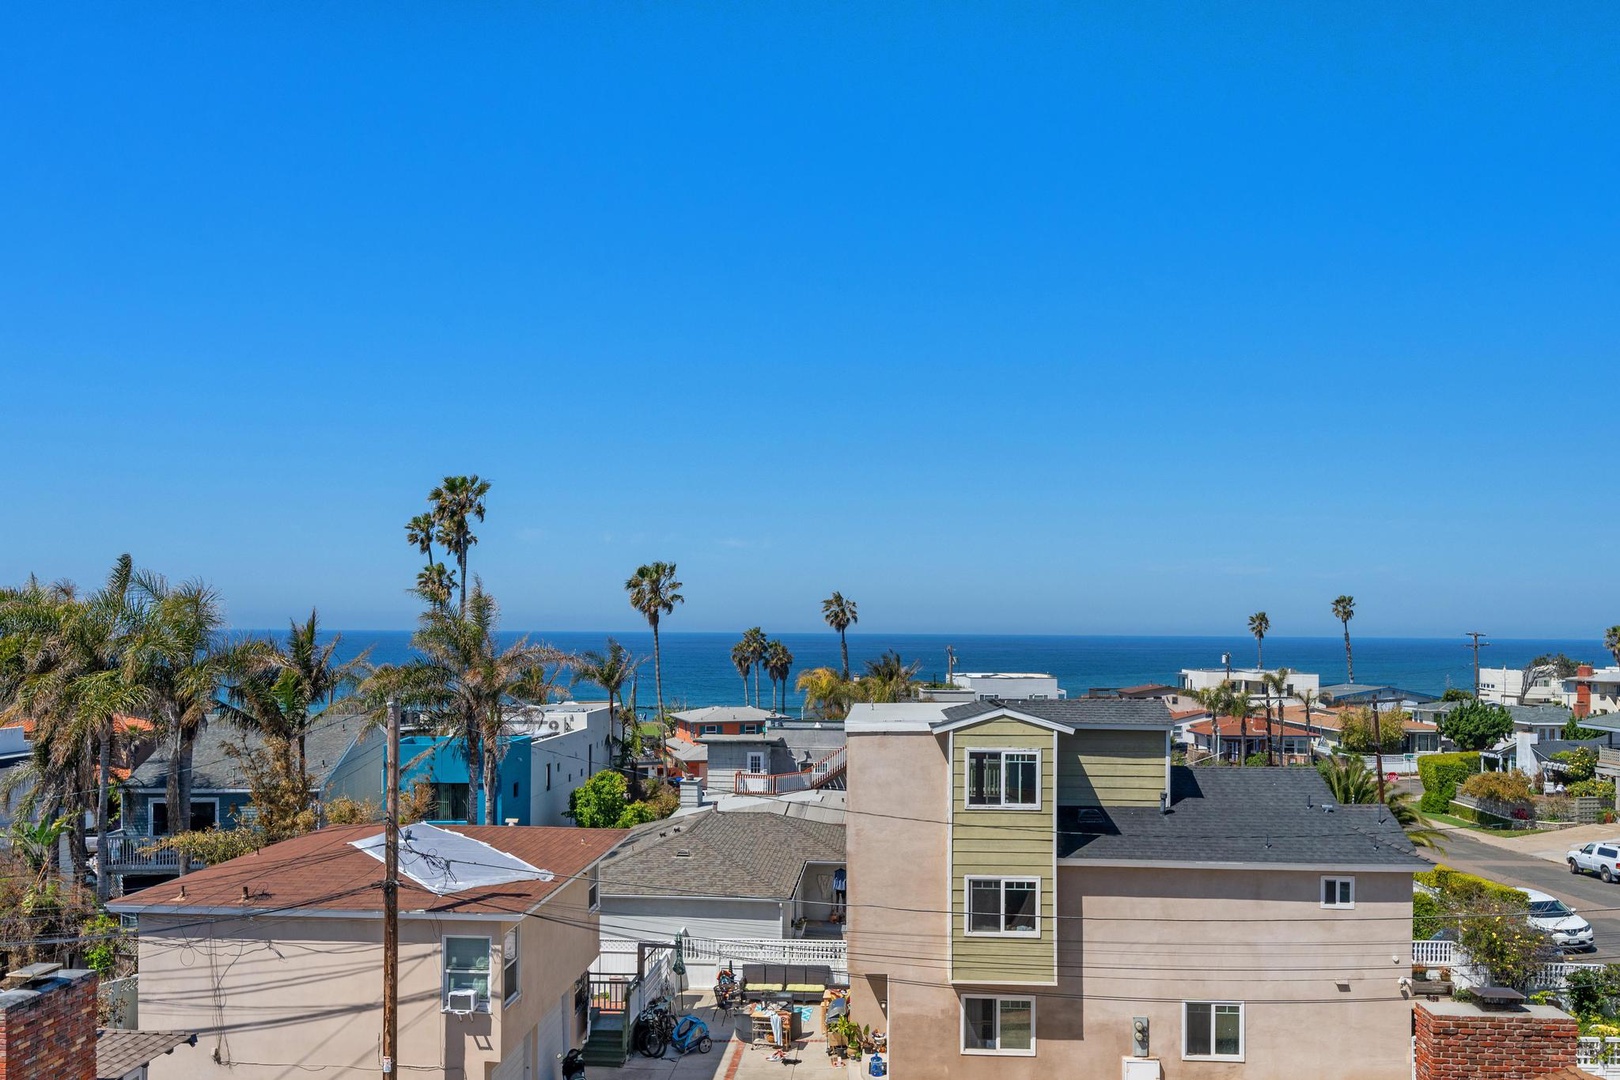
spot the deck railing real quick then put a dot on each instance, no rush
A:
(1598, 1056)
(814, 775)
(1466, 974)
(139, 854)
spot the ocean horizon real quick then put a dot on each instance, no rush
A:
(698, 669)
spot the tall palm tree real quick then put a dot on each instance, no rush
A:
(1351, 783)
(1344, 609)
(778, 663)
(1611, 641)
(1276, 684)
(742, 659)
(1258, 625)
(293, 681)
(654, 592)
(610, 669)
(1222, 701)
(434, 583)
(888, 678)
(455, 503)
(840, 615)
(755, 644)
(176, 655)
(1307, 698)
(464, 682)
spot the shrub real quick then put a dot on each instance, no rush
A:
(1579, 764)
(1441, 773)
(1602, 789)
(1425, 916)
(1496, 934)
(1356, 731)
(1467, 887)
(1503, 787)
(1260, 760)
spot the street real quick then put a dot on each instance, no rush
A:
(1596, 902)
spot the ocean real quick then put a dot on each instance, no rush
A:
(698, 670)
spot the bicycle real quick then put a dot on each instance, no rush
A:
(654, 1028)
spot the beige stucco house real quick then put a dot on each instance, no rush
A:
(1036, 891)
(275, 959)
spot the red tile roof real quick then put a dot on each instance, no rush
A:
(322, 872)
(1232, 727)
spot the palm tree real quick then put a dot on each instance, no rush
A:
(288, 685)
(611, 669)
(455, 503)
(1258, 625)
(825, 692)
(654, 592)
(778, 663)
(434, 583)
(1275, 683)
(888, 678)
(175, 654)
(755, 644)
(1611, 641)
(1344, 609)
(1307, 698)
(742, 659)
(840, 615)
(464, 682)
(1224, 701)
(1352, 783)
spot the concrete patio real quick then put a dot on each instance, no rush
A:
(733, 1058)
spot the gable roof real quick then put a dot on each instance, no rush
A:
(214, 769)
(323, 872)
(1245, 816)
(726, 853)
(724, 714)
(1070, 712)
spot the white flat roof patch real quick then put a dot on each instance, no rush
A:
(898, 717)
(1003, 675)
(445, 862)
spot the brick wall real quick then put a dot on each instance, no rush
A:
(1464, 1042)
(48, 1032)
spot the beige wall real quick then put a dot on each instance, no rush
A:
(994, 842)
(273, 993)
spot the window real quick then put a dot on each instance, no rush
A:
(450, 802)
(466, 967)
(204, 815)
(998, 1026)
(711, 729)
(1212, 1029)
(756, 762)
(1010, 778)
(509, 967)
(1607, 852)
(1339, 892)
(1004, 906)
(594, 895)
(750, 729)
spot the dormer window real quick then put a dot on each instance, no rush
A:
(1004, 778)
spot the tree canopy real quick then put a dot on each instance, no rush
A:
(1475, 725)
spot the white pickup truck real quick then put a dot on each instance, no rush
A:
(1601, 858)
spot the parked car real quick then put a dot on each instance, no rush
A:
(1559, 922)
(1601, 858)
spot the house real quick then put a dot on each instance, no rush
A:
(48, 1030)
(1240, 740)
(275, 959)
(219, 790)
(722, 875)
(1035, 686)
(693, 724)
(1505, 686)
(1592, 691)
(1383, 697)
(1036, 891)
(790, 755)
(1249, 679)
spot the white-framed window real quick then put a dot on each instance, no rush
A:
(594, 894)
(1010, 779)
(1003, 906)
(750, 729)
(466, 967)
(1338, 892)
(1212, 1030)
(710, 729)
(998, 1025)
(756, 762)
(509, 967)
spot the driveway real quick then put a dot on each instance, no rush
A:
(1522, 863)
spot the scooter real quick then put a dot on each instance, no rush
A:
(691, 1034)
(573, 1064)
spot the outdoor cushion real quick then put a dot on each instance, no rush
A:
(805, 988)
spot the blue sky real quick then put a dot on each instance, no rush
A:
(1040, 317)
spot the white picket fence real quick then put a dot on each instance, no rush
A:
(703, 956)
(1466, 974)
(1598, 1056)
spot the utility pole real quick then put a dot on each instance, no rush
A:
(1476, 635)
(390, 1039)
(1378, 747)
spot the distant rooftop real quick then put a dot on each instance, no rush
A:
(924, 716)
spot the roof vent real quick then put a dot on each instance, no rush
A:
(683, 854)
(27, 976)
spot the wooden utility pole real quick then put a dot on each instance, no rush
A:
(1378, 747)
(1476, 635)
(390, 1039)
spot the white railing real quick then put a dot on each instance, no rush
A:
(1466, 974)
(829, 766)
(1598, 1056)
(1433, 953)
(126, 853)
(703, 956)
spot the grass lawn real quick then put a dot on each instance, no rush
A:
(1460, 823)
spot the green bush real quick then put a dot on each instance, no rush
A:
(1603, 789)
(1260, 760)
(1441, 773)
(1503, 787)
(1425, 916)
(1454, 884)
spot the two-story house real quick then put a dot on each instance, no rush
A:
(274, 959)
(1035, 891)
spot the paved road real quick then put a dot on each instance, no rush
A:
(1598, 903)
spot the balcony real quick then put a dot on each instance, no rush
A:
(140, 855)
(824, 772)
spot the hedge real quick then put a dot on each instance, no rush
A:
(1466, 887)
(1426, 920)
(1441, 773)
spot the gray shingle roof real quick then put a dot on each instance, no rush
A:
(212, 769)
(743, 854)
(1078, 712)
(119, 1053)
(1238, 815)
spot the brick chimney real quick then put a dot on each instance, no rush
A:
(1461, 1041)
(48, 1024)
(1583, 692)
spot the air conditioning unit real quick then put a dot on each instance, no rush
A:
(461, 1002)
(556, 726)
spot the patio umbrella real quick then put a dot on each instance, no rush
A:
(679, 966)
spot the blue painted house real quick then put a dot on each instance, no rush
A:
(441, 762)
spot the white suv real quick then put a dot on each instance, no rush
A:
(1601, 858)
(1552, 917)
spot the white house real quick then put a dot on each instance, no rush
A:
(1591, 691)
(569, 742)
(1503, 685)
(1009, 685)
(1299, 682)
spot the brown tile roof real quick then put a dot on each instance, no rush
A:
(1232, 727)
(322, 872)
(119, 1053)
